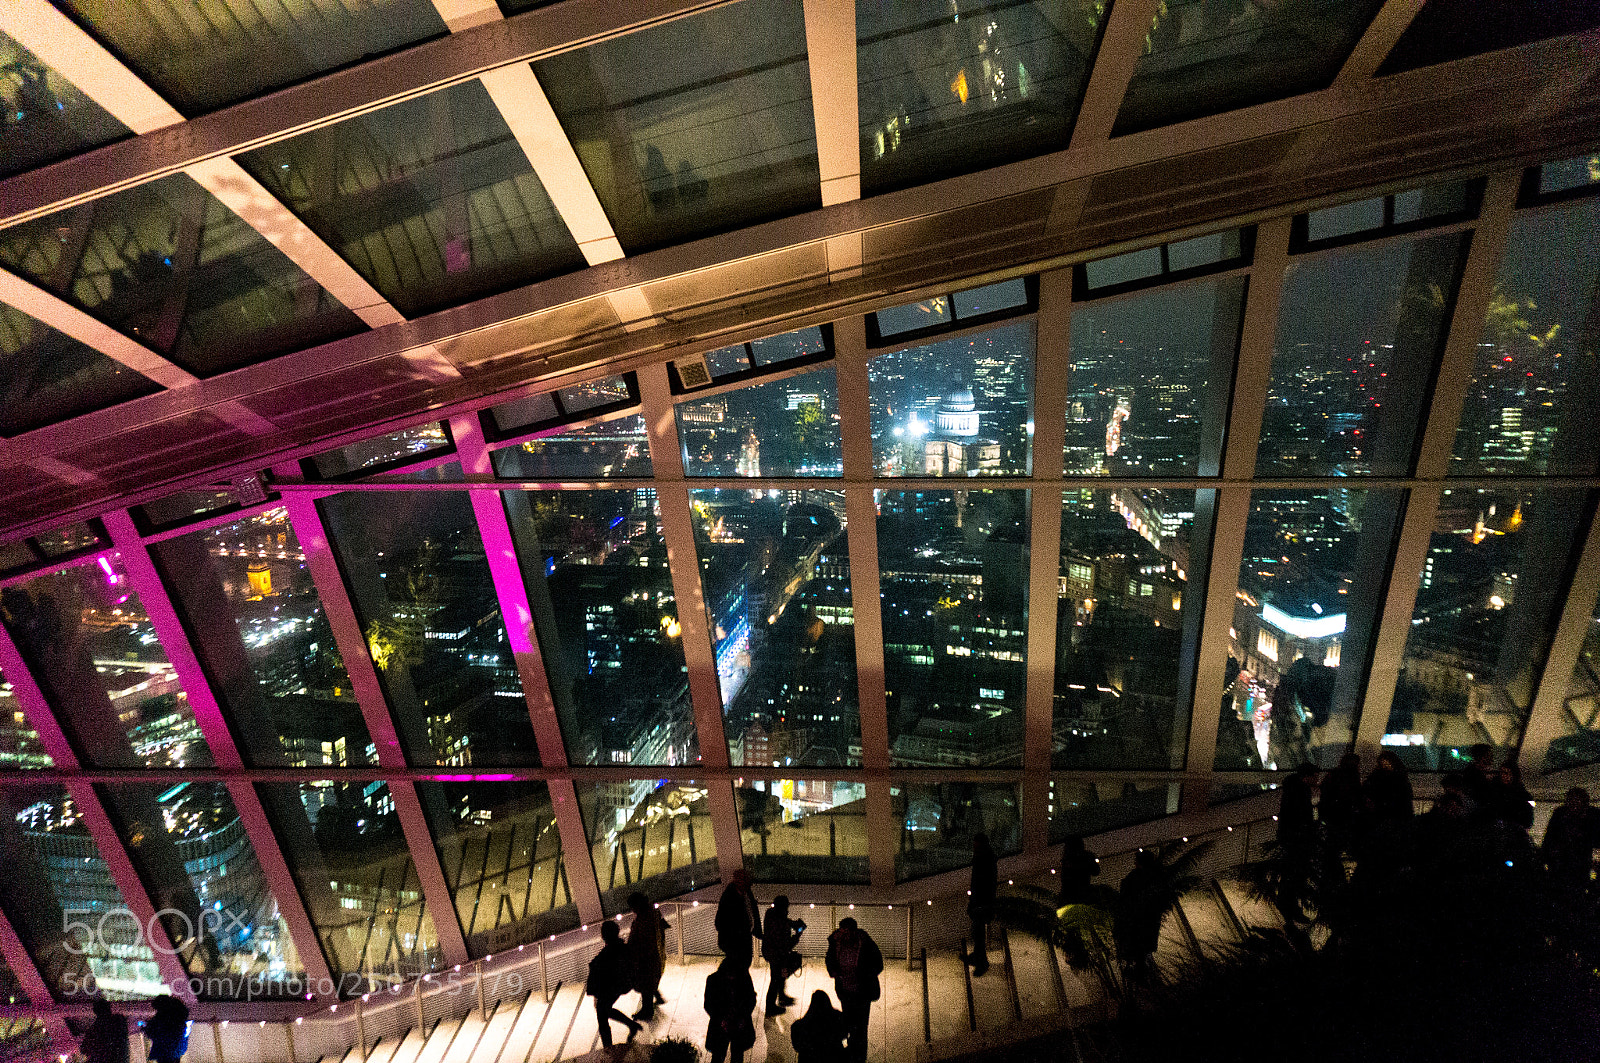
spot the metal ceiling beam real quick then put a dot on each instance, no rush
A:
(835, 104)
(1121, 45)
(1379, 39)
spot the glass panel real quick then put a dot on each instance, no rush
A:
(1128, 628)
(1445, 30)
(50, 377)
(605, 451)
(694, 126)
(991, 298)
(1564, 174)
(13, 995)
(803, 830)
(1203, 58)
(184, 506)
(776, 571)
(1345, 219)
(168, 265)
(1119, 269)
(58, 542)
(1359, 334)
(595, 567)
(588, 395)
(1311, 582)
(893, 320)
(191, 851)
(788, 427)
(519, 413)
(501, 854)
(1492, 587)
(46, 117)
(959, 407)
(420, 583)
(946, 90)
(15, 555)
(939, 820)
(440, 472)
(344, 844)
(63, 903)
(1204, 250)
(649, 836)
(1147, 390)
(725, 361)
(404, 445)
(94, 653)
(206, 56)
(1435, 201)
(1084, 808)
(432, 200)
(19, 742)
(1579, 742)
(1531, 406)
(788, 346)
(275, 669)
(954, 568)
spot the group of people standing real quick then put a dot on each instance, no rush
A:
(631, 965)
(166, 1033)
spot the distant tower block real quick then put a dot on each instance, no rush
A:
(260, 578)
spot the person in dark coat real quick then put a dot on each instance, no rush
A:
(644, 953)
(1388, 791)
(106, 1040)
(1136, 916)
(730, 1002)
(980, 903)
(1078, 866)
(167, 1030)
(1514, 804)
(818, 1037)
(738, 919)
(610, 976)
(1569, 840)
(855, 962)
(778, 937)
(1343, 807)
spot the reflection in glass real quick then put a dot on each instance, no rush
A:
(1202, 58)
(1492, 588)
(168, 265)
(396, 447)
(803, 830)
(70, 539)
(1565, 174)
(1084, 808)
(789, 346)
(1531, 408)
(94, 652)
(941, 95)
(958, 407)
(1359, 333)
(500, 851)
(276, 668)
(593, 393)
(182, 507)
(421, 587)
(344, 844)
(1126, 626)
(649, 836)
(718, 137)
(954, 571)
(776, 569)
(939, 820)
(431, 200)
(1147, 390)
(1120, 269)
(595, 567)
(1445, 30)
(63, 903)
(991, 298)
(613, 449)
(1313, 574)
(789, 427)
(913, 317)
(1579, 742)
(521, 413)
(19, 742)
(49, 376)
(192, 853)
(43, 116)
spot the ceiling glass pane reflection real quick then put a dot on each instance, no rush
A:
(595, 567)
(803, 830)
(396, 448)
(48, 376)
(45, 117)
(1445, 30)
(422, 590)
(939, 820)
(951, 88)
(1534, 400)
(1204, 58)
(275, 669)
(203, 56)
(788, 427)
(613, 449)
(432, 200)
(1579, 742)
(649, 836)
(19, 742)
(695, 126)
(776, 572)
(168, 265)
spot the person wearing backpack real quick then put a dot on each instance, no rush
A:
(855, 961)
(610, 976)
(730, 1002)
(167, 1030)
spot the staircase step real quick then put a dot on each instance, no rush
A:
(506, 1014)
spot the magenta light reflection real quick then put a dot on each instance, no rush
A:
(112, 576)
(477, 777)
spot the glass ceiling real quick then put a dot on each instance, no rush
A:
(45, 117)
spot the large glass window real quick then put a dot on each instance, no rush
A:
(954, 570)
(1127, 626)
(1147, 389)
(1579, 741)
(1532, 406)
(959, 407)
(595, 566)
(610, 450)
(776, 566)
(803, 830)
(788, 427)
(46, 116)
(276, 667)
(1082, 807)
(649, 836)
(427, 605)
(19, 742)
(1497, 568)
(693, 126)
(500, 851)
(49, 376)
(938, 822)
(1359, 333)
